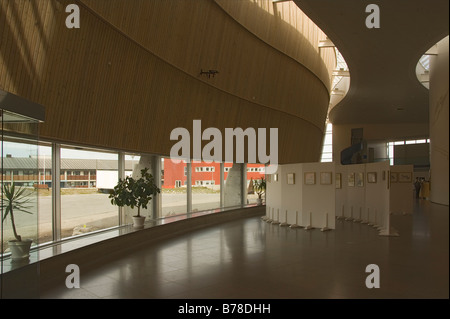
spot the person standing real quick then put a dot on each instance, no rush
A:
(417, 185)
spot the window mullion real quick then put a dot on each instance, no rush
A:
(56, 191)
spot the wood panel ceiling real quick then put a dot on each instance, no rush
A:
(131, 73)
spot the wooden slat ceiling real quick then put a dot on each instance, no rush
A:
(131, 73)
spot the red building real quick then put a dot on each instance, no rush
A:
(203, 174)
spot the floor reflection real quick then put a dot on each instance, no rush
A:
(252, 259)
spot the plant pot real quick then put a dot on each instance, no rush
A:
(20, 250)
(259, 201)
(138, 221)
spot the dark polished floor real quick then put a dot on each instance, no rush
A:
(249, 258)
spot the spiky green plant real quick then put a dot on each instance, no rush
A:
(15, 200)
(260, 187)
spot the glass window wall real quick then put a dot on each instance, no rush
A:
(19, 203)
(327, 149)
(255, 172)
(44, 189)
(205, 186)
(86, 178)
(19, 220)
(173, 187)
(134, 164)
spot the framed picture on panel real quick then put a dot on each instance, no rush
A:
(394, 177)
(310, 178)
(405, 177)
(326, 178)
(371, 177)
(351, 179)
(275, 177)
(359, 179)
(338, 180)
(291, 178)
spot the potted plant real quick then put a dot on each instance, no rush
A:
(135, 193)
(260, 188)
(16, 200)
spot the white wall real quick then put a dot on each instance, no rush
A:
(319, 200)
(365, 202)
(356, 195)
(299, 201)
(402, 193)
(273, 194)
(341, 191)
(439, 117)
(378, 196)
(368, 202)
(292, 199)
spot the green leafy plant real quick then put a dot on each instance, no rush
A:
(15, 200)
(259, 185)
(134, 192)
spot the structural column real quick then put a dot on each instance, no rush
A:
(233, 187)
(189, 188)
(222, 184)
(439, 117)
(121, 175)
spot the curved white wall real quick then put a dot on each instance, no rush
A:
(439, 117)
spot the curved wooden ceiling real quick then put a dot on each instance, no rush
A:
(131, 73)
